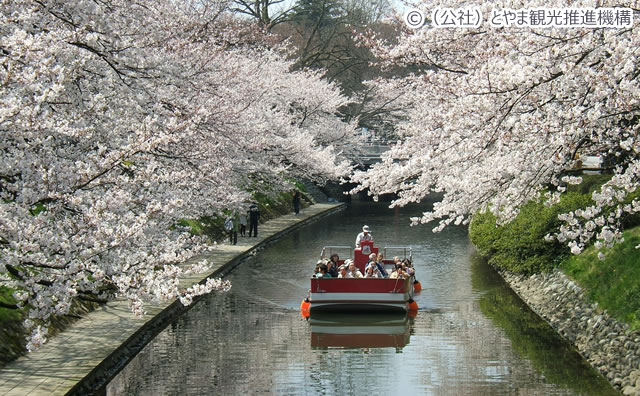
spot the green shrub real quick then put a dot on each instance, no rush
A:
(519, 246)
(590, 183)
(631, 220)
(271, 206)
(7, 298)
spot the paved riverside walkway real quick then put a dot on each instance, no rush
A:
(91, 350)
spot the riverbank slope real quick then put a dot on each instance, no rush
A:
(587, 301)
(606, 343)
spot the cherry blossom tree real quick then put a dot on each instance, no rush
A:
(500, 115)
(118, 119)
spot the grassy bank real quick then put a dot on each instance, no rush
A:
(613, 282)
(520, 247)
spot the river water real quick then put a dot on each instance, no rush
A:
(472, 334)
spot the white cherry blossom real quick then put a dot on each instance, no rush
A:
(120, 118)
(495, 115)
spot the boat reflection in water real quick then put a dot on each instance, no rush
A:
(342, 330)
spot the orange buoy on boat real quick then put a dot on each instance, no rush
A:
(413, 305)
(417, 287)
(304, 308)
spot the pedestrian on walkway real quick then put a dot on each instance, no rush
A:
(231, 227)
(236, 226)
(242, 219)
(296, 202)
(254, 215)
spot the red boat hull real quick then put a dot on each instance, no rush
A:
(333, 294)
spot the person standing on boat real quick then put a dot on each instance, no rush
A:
(254, 215)
(365, 235)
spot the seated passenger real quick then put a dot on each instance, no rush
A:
(342, 271)
(322, 271)
(380, 264)
(332, 265)
(407, 267)
(353, 271)
(372, 259)
(398, 273)
(317, 269)
(372, 272)
(373, 265)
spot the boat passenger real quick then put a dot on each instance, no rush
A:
(365, 235)
(332, 269)
(342, 271)
(371, 272)
(407, 267)
(322, 271)
(398, 273)
(332, 265)
(372, 259)
(377, 270)
(317, 269)
(353, 271)
(380, 264)
(396, 260)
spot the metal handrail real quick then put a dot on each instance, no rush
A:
(404, 251)
(336, 247)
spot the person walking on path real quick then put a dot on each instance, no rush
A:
(254, 215)
(231, 225)
(242, 219)
(296, 202)
(236, 226)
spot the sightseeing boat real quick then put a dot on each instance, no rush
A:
(361, 294)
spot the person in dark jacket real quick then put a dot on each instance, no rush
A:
(296, 202)
(332, 265)
(254, 215)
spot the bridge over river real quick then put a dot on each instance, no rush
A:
(372, 152)
(472, 335)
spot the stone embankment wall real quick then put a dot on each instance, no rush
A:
(607, 344)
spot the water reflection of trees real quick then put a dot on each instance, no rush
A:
(532, 338)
